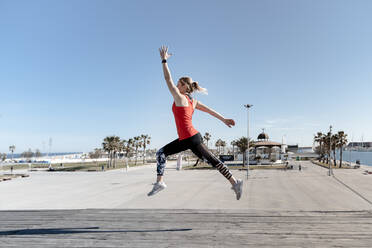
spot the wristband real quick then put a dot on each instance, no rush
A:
(164, 61)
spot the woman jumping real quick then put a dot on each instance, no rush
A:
(189, 138)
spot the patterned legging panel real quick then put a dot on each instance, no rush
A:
(195, 144)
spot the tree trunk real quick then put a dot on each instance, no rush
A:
(144, 155)
(127, 152)
(244, 158)
(136, 156)
(320, 151)
(340, 156)
(334, 158)
(234, 152)
(112, 158)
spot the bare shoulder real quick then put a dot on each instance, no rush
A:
(181, 101)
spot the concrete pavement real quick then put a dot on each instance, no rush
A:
(277, 190)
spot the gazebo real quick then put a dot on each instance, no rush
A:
(263, 143)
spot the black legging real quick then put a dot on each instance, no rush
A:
(195, 144)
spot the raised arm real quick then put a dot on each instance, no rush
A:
(167, 75)
(200, 106)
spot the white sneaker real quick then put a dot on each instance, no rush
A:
(157, 187)
(238, 188)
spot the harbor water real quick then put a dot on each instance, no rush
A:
(365, 158)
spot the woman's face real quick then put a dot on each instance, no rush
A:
(182, 87)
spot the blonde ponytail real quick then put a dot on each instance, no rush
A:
(195, 86)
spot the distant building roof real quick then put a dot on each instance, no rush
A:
(360, 144)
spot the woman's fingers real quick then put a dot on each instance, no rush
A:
(230, 122)
(164, 52)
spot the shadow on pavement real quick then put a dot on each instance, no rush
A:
(43, 231)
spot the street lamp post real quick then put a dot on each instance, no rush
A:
(248, 106)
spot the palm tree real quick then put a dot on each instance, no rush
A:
(28, 154)
(106, 145)
(207, 137)
(123, 144)
(242, 144)
(3, 156)
(12, 149)
(128, 146)
(218, 145)
(223, 145)
(137, 144)
(145, 141)
(121, 147)
(334, 141)
(342, 141)
(326, 146)
(319, 139)
(97, 153)
(37, 153)
(233, 143)
(111, 145)
(117, 148)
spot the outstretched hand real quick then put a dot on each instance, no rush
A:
(229, 122)
(164, 52)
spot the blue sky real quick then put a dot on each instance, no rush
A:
(78, 71)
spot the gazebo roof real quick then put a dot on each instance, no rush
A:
(266, 143)
(263, 136)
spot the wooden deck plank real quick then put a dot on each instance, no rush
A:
(184, 228)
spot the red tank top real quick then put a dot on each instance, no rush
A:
(183, 117)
